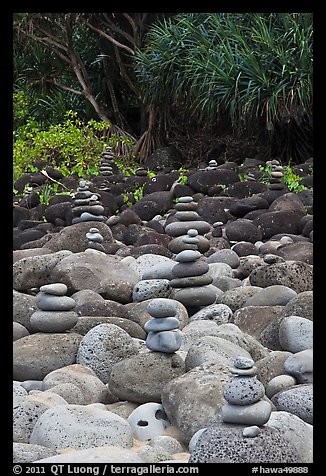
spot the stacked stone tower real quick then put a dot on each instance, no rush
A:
(55, 312)
(162, 329)
(244, 395)
(87, 205)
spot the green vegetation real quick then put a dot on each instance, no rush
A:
(71, 146)
(253, 69)
(290, 178)
(143, 80)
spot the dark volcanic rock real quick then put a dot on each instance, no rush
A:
(243, 230)
(272, 223)
(202, 180)
(212, 209)
(59, 210)
(164, 158)
(243, 189)
(240, 208)
(296, 275)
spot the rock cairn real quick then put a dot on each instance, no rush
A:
(187, 218)
(212, 165)
(95, 239)
(276, 175)
(55, 312)
(106, 162)
(162, 333)
(87, 205)
(190, 276)
(244, 393)
(217, 229)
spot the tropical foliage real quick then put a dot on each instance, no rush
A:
(254, 68)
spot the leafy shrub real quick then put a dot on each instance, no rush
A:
(71, 146)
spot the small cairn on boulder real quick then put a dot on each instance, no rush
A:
(244, 394)
(95, 239)
(162, 333)
(55, 312)
(276, 175)
(87, 205)
(106, 162)
(212, 165)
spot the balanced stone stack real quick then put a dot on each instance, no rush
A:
(55, 312)
(276, 175)
(87, 205)
(212, 165)
(251, 177)
(187, 218)
(106, 162)
(162, 333)
(217, 229)
(95, 239)
(191, 278)
(244, 393)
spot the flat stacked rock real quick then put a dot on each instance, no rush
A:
(162, 334)
(244, 393)
(87, 205)
(187, 218)
(95, 239)
(106, 162)
(276, 175)
(190, 276)
(55, 310)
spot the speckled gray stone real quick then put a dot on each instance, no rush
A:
(241, 362)
(219, 313)
(81, 426)
(151, 288)
(27, 453)
(103, 346)
(297, 400)
(162, 307)
(296, 333)
(226, 444)
(243, 390)
(279, 383)
(300, 366)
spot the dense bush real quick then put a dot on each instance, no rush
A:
(254, 68)
(72, 146)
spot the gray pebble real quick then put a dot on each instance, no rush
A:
(49, 302)
(243, 390)
(250, 431)
(187, 256)
(161, 324)
(255, 414)
(162, 307)
(166, 341)
(57, 289)
(243, 362)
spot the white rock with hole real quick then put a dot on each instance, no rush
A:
(148, 420)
